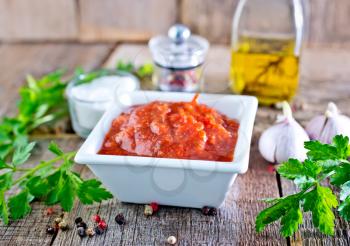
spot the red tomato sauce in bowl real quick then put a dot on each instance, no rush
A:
(181, 130)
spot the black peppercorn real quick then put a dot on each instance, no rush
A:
(82, 224)
(120, 219)
(50, 230)
(78, 220)
(212, 212)
(98, 230)
(205, 210)
(81, 232)
(209, 211)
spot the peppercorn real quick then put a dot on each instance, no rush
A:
(155, 207)
(148, 210)
(102, 224)
(120, 219)
(205, 210)
(212, 212)
(209, 211)
(78, 220)
(90, 232)
(63, 225)
(98, 230)
(96, 218)
(171, 240)
(49, 211)
(81, 232)
(58, 220)
(50, 230)
(82, 224)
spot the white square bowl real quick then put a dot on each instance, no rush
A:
(176, 182)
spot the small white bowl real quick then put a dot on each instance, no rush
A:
(176, 182)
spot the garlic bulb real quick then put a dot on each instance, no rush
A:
(283, 140)
(325, 127)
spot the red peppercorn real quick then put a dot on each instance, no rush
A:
(96, 218)
(102, 224)
(271, 168)
(155, 206)
(49, 211)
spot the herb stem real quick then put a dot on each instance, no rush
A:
(44, 164)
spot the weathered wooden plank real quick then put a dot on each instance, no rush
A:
(38, 20)
(38, 59)
(120, 20)
(334, 28)
(215, 16)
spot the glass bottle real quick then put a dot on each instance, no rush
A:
(266, 43)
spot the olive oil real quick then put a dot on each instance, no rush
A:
(266, 68)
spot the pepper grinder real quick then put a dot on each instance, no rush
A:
(178, 59)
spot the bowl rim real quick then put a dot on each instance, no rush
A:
(239, 165)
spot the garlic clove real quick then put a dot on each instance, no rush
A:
(315, 126)
(325, 127)
(291, 143)
(283, 140)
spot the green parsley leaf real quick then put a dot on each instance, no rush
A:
(22, 153)
(19, 205)
(91, 191)
(125, 66)
(5, 181)
(320, 202)
(291, 169)
(304, 182)
(67, 193)
(3, 208)
(53, 147)
(342, 144)
(38, 186)
(3, 164)
(344, 209)
(342, 175)
(345, 191)
(145, 70)
(291, 220)
(55, 182)
(276, 211)
(64, 189)
(318, 151)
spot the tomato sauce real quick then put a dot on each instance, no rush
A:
(181, 130)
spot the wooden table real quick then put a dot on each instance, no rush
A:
(324, 77)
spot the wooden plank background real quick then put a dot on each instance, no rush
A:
(136, 20)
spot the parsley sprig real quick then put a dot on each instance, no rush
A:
(42, 102)
(324, 161)
(46, 181)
